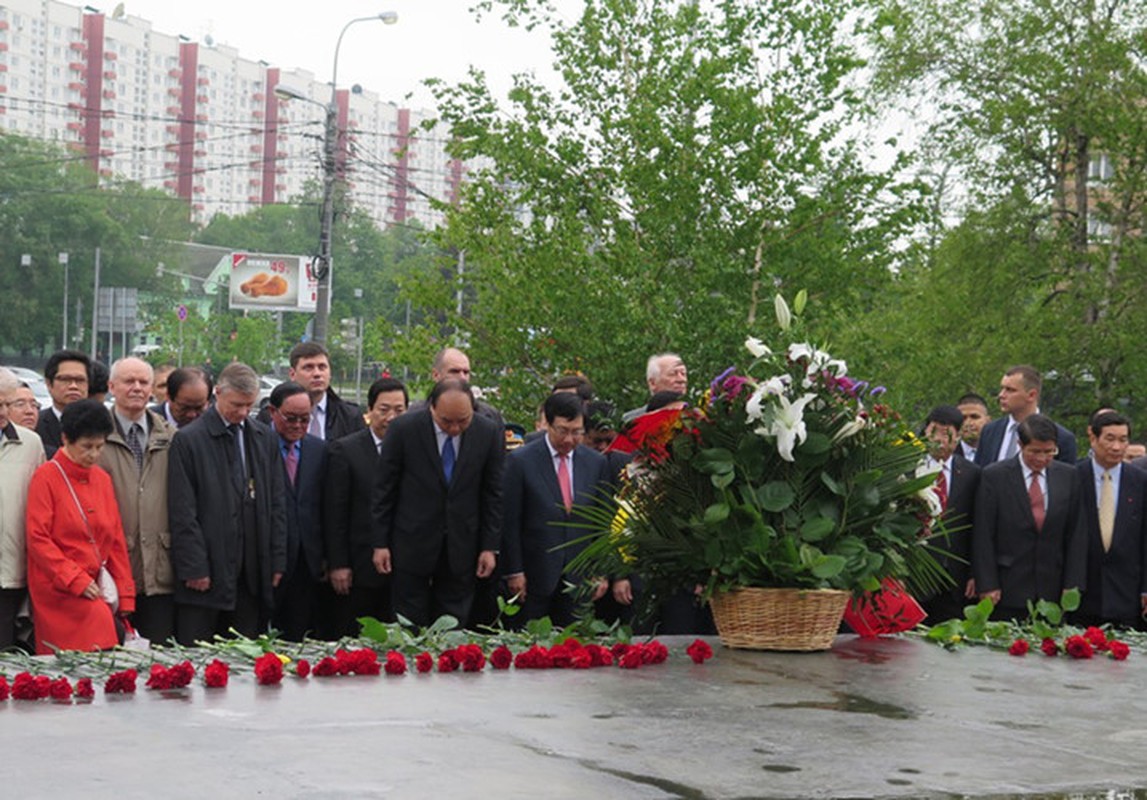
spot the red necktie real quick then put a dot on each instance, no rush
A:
(942, 489)
(564, 483)
(292, 463)
(1035, 494)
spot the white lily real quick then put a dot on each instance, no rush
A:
(850, 429)
(932, 500)
(757, 347)
(778, 384)
(788, 424)
(753, 406)
(784, 316)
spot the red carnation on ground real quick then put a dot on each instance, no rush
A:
(561, 656)
(5, 689)
(216, 674)
(181, 674)
(501, 657)
(60, 689)
(654, 652)
(363, 661)
(326, 668)
(268, 669)
(447, 661)
(302, 668)
(43, 685)
(424, 662)
(24, 687)
(1118, 650)
(632, 658)
(619, 649)
(343, 662)
(536, 657)
(395, 663)
(472, 657)
(1019, 647)
(1049, 647)
(84, 689)
(121, 682)
(159, 678)
(1078, 647)
(1096, 637)
(700, 651)
(600, 656)
(581, 659)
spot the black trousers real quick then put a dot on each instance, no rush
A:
(154, 617)
(424, 598)
(194, 623)
(363, 601)
(10, 601)
(295, 596)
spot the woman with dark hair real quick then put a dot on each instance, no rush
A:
(79, 576)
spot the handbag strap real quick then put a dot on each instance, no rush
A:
(80, 508)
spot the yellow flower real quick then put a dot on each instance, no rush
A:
(283, 658)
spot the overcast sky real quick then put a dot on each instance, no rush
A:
(433, 38)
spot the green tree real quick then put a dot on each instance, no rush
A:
(693, 160)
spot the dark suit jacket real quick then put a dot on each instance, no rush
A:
(1007, 552)
(534, 531)
(992, 436)
(416, 514)
(343, 417)
(205, 509)
(352, 462)
(959, 516)
(1115, 579)
(304, 507)
(48, 427)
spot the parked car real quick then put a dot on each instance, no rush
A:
(35, 382)
(266, 384)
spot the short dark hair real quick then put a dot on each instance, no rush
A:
(306, 350)
(185, 375)
(283, 391)
(1105, 418)
(599, 416)
(565, 405)
(451, 385)
(386, 385)
(945, 415)
(662, 399)
(1029, 375)
(85, 418)
(579, 383)
(972, 397)
(60, 356)
(1037, 428)
(98, 374)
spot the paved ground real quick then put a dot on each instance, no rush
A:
(888, 718)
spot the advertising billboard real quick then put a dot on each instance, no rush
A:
(262, 282)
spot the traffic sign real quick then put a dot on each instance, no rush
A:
(181, 312)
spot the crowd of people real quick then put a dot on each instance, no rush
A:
(178, 510)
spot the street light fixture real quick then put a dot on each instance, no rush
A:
(321, 265)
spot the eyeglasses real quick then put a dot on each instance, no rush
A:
(187, 407)
(563, 432)
(24, 403)
(296, 419)
(1042, 452)
(73, 380)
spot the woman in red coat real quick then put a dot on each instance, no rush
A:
(65, 552)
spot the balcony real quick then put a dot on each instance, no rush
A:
(77, 86)
(175, 91)
(109, 74)
(201, 99)
(110, 55)
(201, 135)
(109, 94)
(169, 184)
(74, 66)
(203, 80)
(174, 110)
(75, 126)
(176, 73)
(107, 133)
(79, 47)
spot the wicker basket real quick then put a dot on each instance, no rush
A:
(779, 619)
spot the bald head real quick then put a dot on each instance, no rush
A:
(450, 363)
(130, 384)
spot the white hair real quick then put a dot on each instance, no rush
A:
(653, 366)
(121, 362)
(8, 381)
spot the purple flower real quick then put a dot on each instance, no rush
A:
(718, 382)
(878, 390)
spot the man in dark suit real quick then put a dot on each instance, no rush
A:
(976, 416)
(331, 416)
(67, 374)
(188, 395)
(544, 479)
(1113, 525)
(957, 480)
(227, 515)
(438, 504)
(1025, 540)
(1019, 398)
(351, 467)
(304, 464)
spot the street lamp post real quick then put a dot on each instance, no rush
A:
(321, 266)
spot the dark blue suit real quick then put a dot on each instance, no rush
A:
(536, 528)
(295, 595)
(1115, 579)
(992, 436)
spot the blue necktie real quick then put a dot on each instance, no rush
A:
(448, 458)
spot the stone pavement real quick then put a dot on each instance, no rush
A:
(886, 718)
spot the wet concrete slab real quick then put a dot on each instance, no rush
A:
(884, 718)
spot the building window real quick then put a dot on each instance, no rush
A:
(1100, 169)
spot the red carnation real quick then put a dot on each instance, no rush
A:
(619, 649)
(1049, 647)
(501, 657)
(1096, 637)
(302, 668)
(1078, 647)
(216, 673)
(561, 656)
(43, 686)
(654, 652)
(326, 667)
(472, 657)
(160, 678)
(1019, 647)
(121, 682)
(447, 661)
(600, 656)
(364, 661)
(581, 659)
(344, 662)
(537, 657)
(84, 689)
(24, 687)
(181, 674)
(424, 662)
(5, 689)
(700, 651)
(632, 659)
(1118, 649)
(395, 663)
(61, 689)
(268, 669)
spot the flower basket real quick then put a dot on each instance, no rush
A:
(778, 619)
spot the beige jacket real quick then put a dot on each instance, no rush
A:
(21, 452)
(142, 498)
